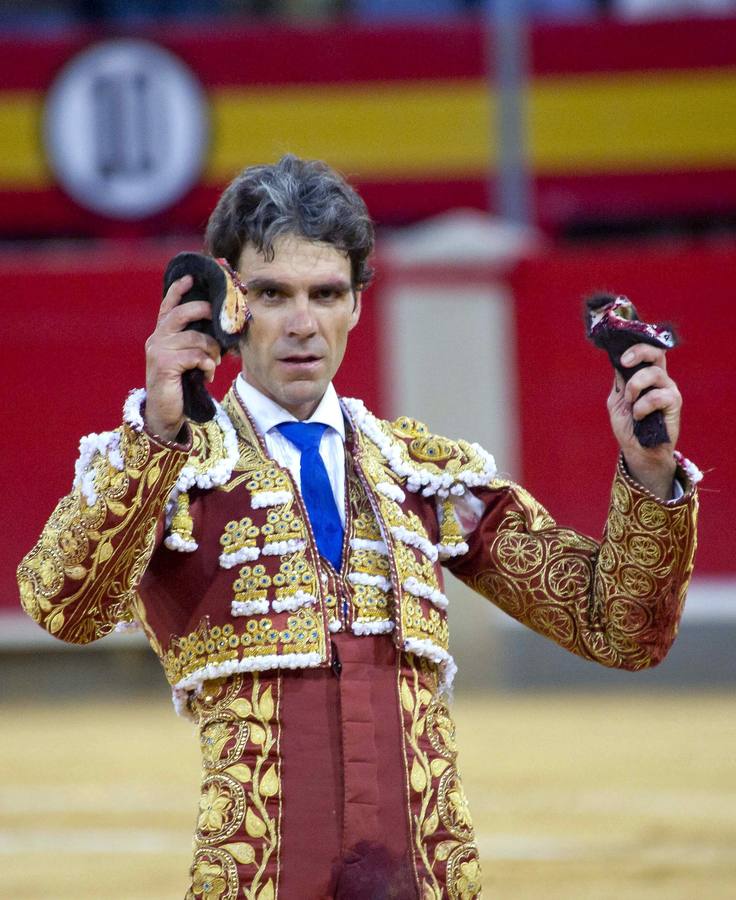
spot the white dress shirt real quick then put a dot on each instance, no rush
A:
(267, 414)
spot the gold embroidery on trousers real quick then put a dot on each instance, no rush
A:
(444, 848)
(238, 827)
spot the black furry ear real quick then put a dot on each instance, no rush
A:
(613, 324)
(216, 283)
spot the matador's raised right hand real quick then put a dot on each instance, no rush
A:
(172, 350)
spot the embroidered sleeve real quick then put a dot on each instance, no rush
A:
(618, 602)
(79, 580)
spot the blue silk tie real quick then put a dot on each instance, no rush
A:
(316, 488)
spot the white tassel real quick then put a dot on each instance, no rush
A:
(106, 443)
(282, 548)
(363, 626)
(294, 601)
(419, 589)
(362, 544)
(414, 539)
(175, 542)
(429, 650)
(370, 580)
(262, 499)
(417, 477)
(688, 467)
(249, 607)
(241, 555)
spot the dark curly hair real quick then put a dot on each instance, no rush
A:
(294, 196)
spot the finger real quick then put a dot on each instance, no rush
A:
(195, 359)
(191, 340)
(179, 317)
(640, 353)
(650, 377)
(176, 291)
(617, 404)
(663, 399)
(615, 397)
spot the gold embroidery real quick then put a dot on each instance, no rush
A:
(213, 645)
(569, 576)
(432, 449)
(441, 729)
(517, 553)
(269, 478)
(216, 695)
(80, 578)
(283, 524)
(221, 732)
(441, 825)
(214, 876)
(621, 497)
(238, 826)
(650, 514)
(252, 583)
(407, 427)
(601, 603)
(433, 452)
(208, 446)
(221, 808)
(616, 524)
(239, 534)
(419, 618)
(450, 532)
(253, 465)
(645, 550)
(370, 602)
(370, 562)
(418, 624)
(294, 575)
(182, 524)
(365, 523)
(463, 873)
(453, 806)
(73, 543)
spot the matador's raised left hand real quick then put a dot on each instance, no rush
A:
(654, 467)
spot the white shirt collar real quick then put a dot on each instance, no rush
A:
(267, 414)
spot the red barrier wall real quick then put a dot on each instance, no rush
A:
(567, 450)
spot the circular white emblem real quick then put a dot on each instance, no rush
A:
(126, 128)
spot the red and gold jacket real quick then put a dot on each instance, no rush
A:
(209, 548)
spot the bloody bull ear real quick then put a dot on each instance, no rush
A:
(613, 324)
(218, 284)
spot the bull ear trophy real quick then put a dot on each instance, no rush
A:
(217, 283)
(613, 324)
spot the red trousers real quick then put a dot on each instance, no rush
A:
(330, 783)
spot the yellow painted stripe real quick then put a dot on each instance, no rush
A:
(591, 124)
(380, 130)
(22, 161)
(596, 124)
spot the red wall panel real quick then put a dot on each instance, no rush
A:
(567, 449)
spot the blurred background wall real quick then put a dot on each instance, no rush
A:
(120, 123)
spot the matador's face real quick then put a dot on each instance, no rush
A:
(303, 308)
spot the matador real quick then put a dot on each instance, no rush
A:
(285, 561)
